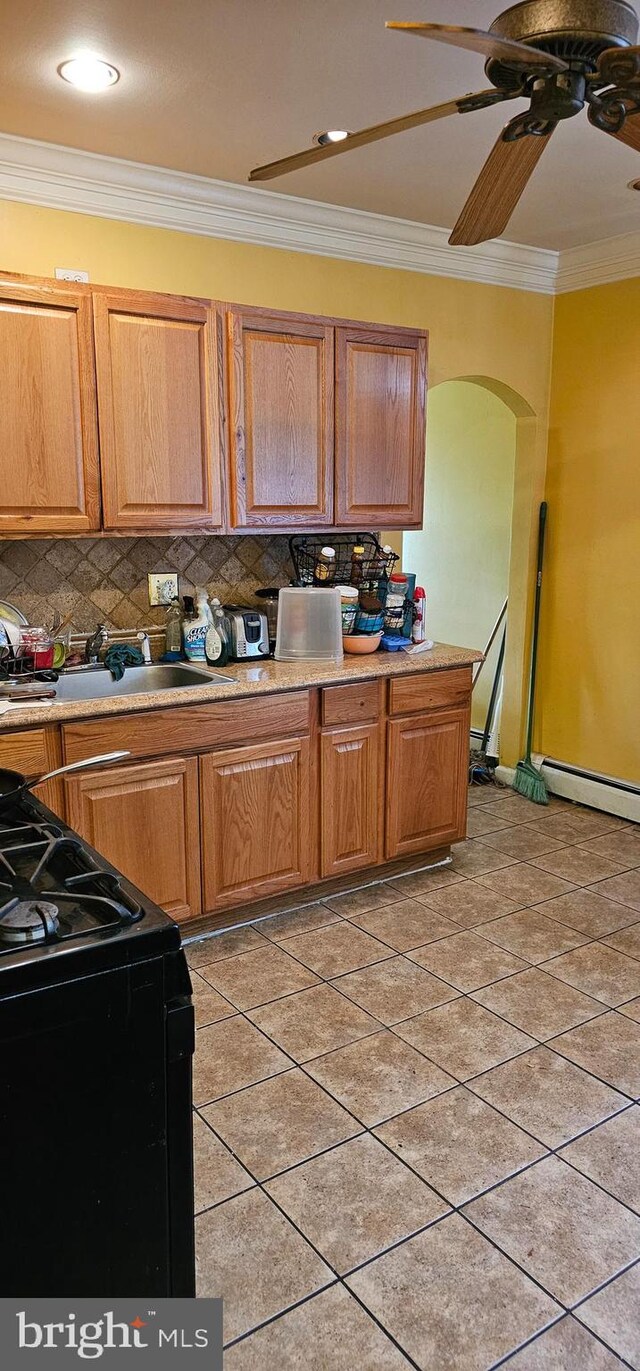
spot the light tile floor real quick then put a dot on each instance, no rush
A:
(417, 1130)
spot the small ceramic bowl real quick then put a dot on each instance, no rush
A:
(359, 643)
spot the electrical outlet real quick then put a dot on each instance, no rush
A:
(163, 587)
(70, 274)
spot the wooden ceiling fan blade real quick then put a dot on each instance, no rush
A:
(463, 105)
(489, 44)
(498, 188)
(629, 133)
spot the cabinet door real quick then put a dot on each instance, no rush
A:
(380, 428)
(351, 803)
(48, 430)
(255, 821)
(427, 769)
(159, 411)
(144, 820)
(281, 429)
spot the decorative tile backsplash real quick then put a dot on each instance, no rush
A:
(104, 580)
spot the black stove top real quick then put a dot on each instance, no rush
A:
(59, 899)
(50, 889)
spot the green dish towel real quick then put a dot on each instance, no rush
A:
(121, 655)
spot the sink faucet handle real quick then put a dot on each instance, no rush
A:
(95, 642)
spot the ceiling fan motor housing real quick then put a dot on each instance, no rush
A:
(577, 31)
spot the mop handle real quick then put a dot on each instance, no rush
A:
(492, 636)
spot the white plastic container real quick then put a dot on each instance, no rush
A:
(309, 625)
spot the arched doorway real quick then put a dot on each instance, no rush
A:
(482, 489)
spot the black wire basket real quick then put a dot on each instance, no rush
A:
(373, 568)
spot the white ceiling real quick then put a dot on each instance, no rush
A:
(218, 86)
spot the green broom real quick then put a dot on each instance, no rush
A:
(527, 779)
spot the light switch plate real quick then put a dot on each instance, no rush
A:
(163, 587)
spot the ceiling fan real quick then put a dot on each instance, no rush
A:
(557, 54)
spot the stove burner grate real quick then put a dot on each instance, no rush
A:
(51, 889)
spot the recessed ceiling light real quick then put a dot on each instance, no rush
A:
(89, 73)
(331, 136)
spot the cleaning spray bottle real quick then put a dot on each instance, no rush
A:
(419, 629)
(196, 622)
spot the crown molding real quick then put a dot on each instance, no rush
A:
(90, 183)
(66, 178)
(597, 264)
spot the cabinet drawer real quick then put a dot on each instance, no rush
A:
(191, 728)
(430, 690)
(348, 704)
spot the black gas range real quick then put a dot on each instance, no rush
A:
(96, 1039)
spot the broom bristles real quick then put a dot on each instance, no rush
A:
(528, 782)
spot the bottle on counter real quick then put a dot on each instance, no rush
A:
(196, 620)
(173, 630)
(380, 563)
(325, 567)
(419, 627)
(357, 564)
(217, 643)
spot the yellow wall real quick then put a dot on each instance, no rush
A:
(588, 710)
(475, 330)
(462, 555)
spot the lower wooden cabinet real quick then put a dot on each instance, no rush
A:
(372, 771)
(144, 819)
(255, 821)
(31, 752)
(351, 799)
(427, 765)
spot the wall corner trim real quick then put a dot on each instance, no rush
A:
(596, 264)
(56, 177)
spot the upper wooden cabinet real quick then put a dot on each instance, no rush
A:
(48, 434)
(380, 427)
(158, 405)
(306, 422)
(281, 420)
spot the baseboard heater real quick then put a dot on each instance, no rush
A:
(591, 788)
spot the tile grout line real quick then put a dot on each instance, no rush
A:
(568, 1315)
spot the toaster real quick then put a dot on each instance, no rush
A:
(249, 632)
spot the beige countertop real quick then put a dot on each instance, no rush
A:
(262, 678)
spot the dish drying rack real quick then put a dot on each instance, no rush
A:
(24, 665)
(375, 568)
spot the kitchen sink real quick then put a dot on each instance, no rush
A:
(97, 683)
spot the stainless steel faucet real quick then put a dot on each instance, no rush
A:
(95, 643)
